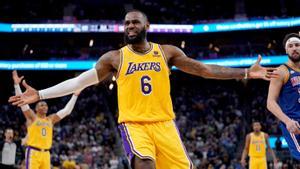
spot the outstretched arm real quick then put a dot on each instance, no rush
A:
(67, 87)
(66, 110)
(28, 113)
(272, 105)
(178, 58)
(93, 76)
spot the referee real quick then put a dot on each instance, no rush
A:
(8, 150)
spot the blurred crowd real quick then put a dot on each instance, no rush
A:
(211, 125)
(168, 11)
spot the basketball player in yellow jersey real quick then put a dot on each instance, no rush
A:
(146, 117)
(40, 129)
(256, 144)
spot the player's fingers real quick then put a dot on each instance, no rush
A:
(26, 85)
(22, 103)
(17, 103)
(272, 74)
(267, 77)
(297, 131)
(14, 98)
(22, 77)
(291, 131)
(258, 59)
(271, 69)
(297, 124)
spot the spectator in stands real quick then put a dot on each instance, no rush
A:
(8, 149)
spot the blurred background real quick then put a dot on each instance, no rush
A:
(50, 41)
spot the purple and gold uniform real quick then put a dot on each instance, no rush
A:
(257, 151)
(39, 141)
(146, 114)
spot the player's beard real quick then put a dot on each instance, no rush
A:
(140, 37)
(295, 59)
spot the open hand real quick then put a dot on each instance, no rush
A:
(293, 126)
(29, 96)
(256, 71)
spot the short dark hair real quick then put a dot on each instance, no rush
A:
(139, 11)
(255, 121)
(288, 36)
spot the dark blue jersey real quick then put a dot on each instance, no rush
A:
(289, 98)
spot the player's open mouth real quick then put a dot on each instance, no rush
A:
(295, 54)
(132, 34)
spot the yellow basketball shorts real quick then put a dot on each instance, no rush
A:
(258, 163)
(36, 159)
(158, 141)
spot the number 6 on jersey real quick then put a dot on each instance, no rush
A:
(146, 85)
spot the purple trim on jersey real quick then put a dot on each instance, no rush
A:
(186, 154)
(27, 157)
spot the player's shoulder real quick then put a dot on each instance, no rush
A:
(283, 72)
(172, 51)
(249, 135)
(111, 55)
(168, 47)
(283, 68)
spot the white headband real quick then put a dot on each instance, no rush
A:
(292, 40)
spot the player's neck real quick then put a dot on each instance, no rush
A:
(256, 132)
(8, 140)
(140, 47)
(41, 115)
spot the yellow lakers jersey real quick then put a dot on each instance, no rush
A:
(40, 133)
(144, 86)
(257, 145)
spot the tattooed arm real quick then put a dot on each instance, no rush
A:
(177, 57)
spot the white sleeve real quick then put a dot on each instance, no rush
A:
(67, 87)
(18, 91)
(68, 108)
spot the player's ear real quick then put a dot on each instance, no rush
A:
(147, 26)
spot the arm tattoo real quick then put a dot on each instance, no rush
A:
(191, 66)
(220, 72)
(197, 68)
